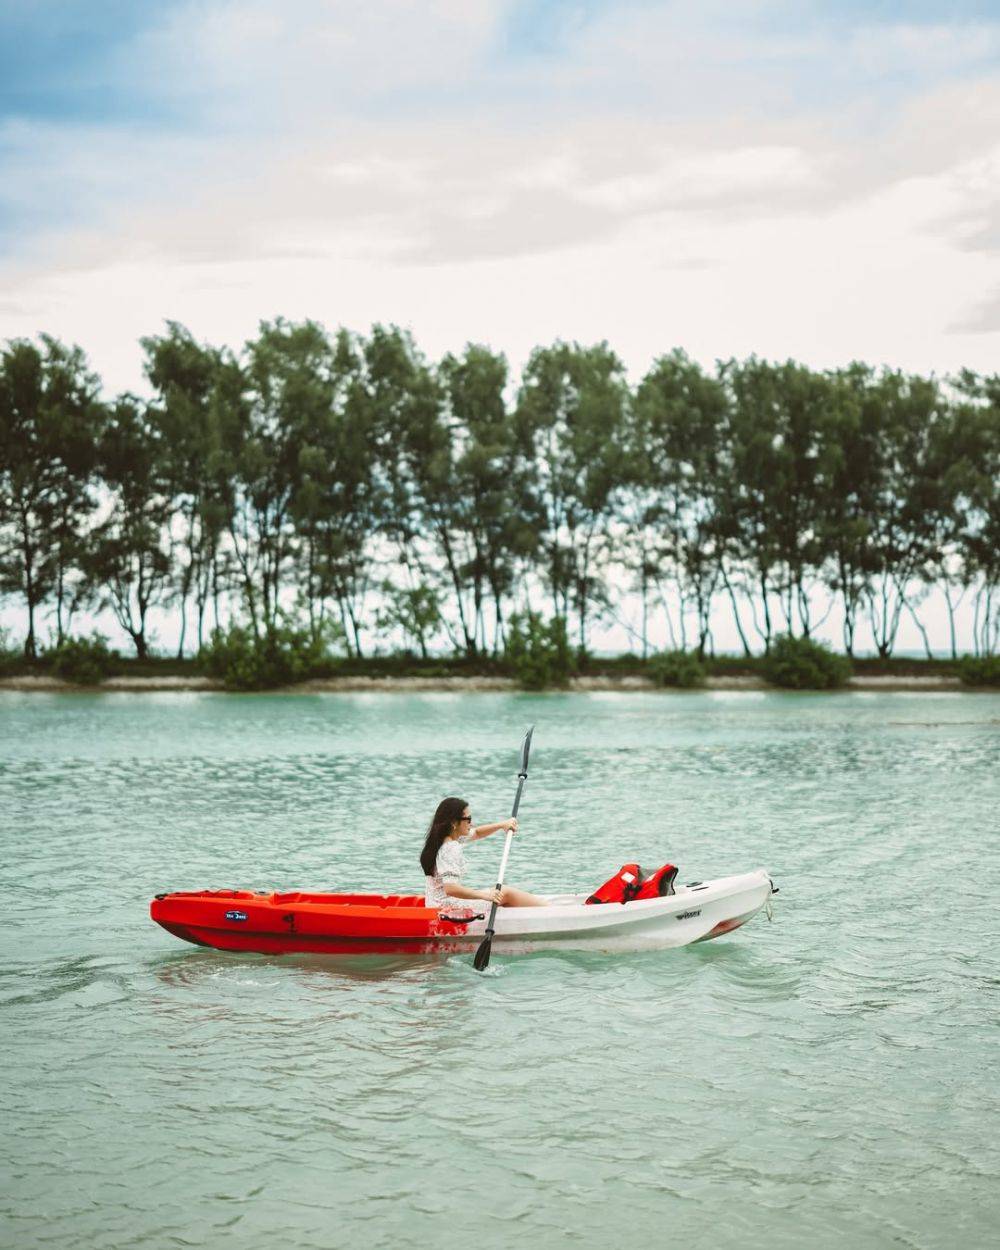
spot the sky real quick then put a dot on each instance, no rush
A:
(795, 179)
(818, 181)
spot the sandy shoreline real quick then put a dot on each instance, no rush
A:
(468, 685)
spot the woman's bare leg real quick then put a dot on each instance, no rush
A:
(510, 897)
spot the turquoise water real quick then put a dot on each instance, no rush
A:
(824, 1080)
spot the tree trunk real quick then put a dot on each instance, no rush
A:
(736, 612)
(803, 598)
(952, 631)
(850, 612)
(30, 650)
(645, 606)
(498, 635)
(923, 632)
(354, 627)
(768, 632)
(215, 590)
(60, 582)
(180, 641)
(456, 581)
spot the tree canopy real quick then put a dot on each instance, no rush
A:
(345, 485)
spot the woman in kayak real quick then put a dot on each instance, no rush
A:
(443, 860)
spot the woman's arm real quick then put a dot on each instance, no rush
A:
(484, 831)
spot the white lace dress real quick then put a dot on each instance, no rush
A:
(449, 866)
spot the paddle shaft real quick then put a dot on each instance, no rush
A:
(521, 779)
(482, 956)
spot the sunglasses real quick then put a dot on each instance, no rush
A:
(465, 820)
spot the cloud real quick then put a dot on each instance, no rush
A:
(982, 318)
(648, 106)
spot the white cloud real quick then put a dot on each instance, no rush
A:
(692, 178)
(931, 48)
(982, 318)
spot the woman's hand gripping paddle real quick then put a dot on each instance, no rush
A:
(483, 953)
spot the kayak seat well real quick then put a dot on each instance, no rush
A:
(350, 900)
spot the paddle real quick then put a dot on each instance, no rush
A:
(483, 953)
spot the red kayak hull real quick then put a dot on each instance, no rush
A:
(274, 924)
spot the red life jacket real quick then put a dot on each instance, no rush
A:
(631, 882)
(659, 883)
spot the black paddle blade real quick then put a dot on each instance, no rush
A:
(525, 748)
(482, 958)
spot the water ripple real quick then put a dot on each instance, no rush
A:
(827, 1079)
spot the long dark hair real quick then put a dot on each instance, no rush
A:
(448, 812)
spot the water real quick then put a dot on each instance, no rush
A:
(824, 1080)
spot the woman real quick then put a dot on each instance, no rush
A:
(443, 861)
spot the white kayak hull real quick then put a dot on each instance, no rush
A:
(694, 913)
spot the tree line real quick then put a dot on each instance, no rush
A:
(345, 483)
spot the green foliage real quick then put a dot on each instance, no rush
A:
(243, 661)
(680, 484)
(802, 664)
(677, 668)
(10, 657)
(415, 611)
(85, 661)
(538, 651)
(979, 670)
(50, 426)
(479, 498)
(199, 393)
(131, 556)
(570, 425)
(301, 468)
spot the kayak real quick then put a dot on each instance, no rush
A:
(339, 924)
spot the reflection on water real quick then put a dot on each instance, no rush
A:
(822, 1080)
(191, 969)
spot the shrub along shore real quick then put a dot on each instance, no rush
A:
(800, 665)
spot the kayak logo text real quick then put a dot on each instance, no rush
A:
(687, 915)
(236, 915)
